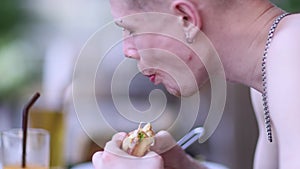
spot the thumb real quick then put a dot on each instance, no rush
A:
(114, 145)
(118, 138)
(97, 159)
(163, 142)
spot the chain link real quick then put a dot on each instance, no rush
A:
(264, 76)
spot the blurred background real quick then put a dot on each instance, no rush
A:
(39, 44)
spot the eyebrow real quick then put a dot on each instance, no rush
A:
(119, 22)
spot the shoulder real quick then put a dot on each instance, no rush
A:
(283, 81)
(284, 51)
(290, 23)
(287, 34)
(283, 64)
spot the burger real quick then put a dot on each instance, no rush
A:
(139, 141)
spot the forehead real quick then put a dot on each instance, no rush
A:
(130, 14)
(121, 8)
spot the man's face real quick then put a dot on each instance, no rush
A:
(157, 42)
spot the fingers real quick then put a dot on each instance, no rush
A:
(114, 145)
(151, 154)
(105, 160)
(163, 142)
(97, 159)
(118, 138)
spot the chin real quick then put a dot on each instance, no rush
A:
(183, 93)
(173, 92)
(188, 93)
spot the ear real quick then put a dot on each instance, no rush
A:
(188, 11)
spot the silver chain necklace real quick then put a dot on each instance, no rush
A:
(264, 76)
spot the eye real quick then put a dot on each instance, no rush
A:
(122, 25)
(130, 33)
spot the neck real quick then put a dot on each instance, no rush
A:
(239, 36)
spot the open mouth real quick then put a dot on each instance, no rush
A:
(151, 74)
(152, 78)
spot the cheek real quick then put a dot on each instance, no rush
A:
(201, 75)
(146, 41)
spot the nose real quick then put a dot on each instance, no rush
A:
(129, 48)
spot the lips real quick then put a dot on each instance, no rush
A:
(152, 78)
(151, 74)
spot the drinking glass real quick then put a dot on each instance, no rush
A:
(37, 149)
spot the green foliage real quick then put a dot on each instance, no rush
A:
(16, 70)
(293, 6)
(288, 5)
(12, 16)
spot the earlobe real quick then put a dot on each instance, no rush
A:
(188, 17)
(187, 11)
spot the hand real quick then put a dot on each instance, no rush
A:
(115, 158)
(174, 156)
